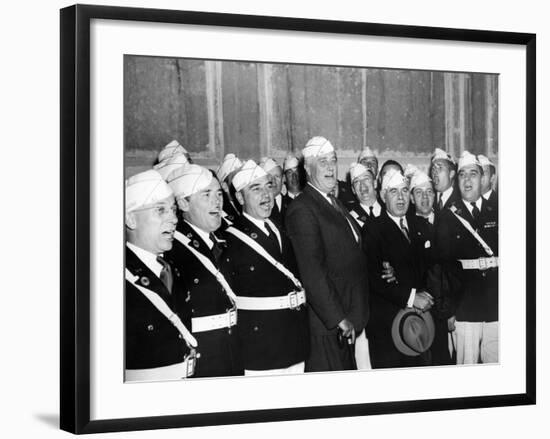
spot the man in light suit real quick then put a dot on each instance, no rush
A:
(327, 243)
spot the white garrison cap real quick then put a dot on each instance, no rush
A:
(229, 164)
(357, 170)
(267, 164)
(439, 154)
(467, 159)
(393, 178)
(410, 170)
(144, 189)
(316, 146)
(249, 172)
(172, 149)
(420, 179)
(190, 179)
(291, 162)
(166, 167)
(365, 152)
(484, 160)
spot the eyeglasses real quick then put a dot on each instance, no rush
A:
(161, 210)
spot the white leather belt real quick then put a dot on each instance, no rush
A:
(177, 371)
(479, 264)
(291, 300)
(217, 321)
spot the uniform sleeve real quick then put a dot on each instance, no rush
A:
(305, 235)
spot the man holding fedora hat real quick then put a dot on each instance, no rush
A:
(393, 239)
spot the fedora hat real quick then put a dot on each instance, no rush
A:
(412, 332)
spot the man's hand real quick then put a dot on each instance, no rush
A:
(388, 272)
(348, 331)
(451, 323)
(423, 301)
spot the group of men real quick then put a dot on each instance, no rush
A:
(263, 268)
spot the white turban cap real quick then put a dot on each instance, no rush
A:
(467, 159)
(393, 178)
(249, 172)
(317, 146)
(144, 189)
(229, 164)
(188, 180)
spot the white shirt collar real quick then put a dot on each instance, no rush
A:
(279, 200)
(446, 194)
(487, 194)
(291, 195)
(469, 205)
(148, 258)
(205, 236)
(261, 225)
(397, 220)
(376, 208)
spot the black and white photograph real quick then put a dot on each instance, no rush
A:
(274, 218)
(295, 218)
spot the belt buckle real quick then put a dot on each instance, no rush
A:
(232, 317)
(483, 263)
(293, 299)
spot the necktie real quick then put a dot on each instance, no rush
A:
(440, 202)
(354, 227)
(216, 249)
(371, 211)
(272, 236)
(166, 274)
(475, 211)
(404, 229)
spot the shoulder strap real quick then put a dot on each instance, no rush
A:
(208, 265)
(262, 252)
(161, 305)
(470, 229)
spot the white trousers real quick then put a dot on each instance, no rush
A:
(362, 356)
(294, 369)
(475, 342)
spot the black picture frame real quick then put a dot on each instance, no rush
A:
(75, 216)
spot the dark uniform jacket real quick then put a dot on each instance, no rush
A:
(477, 298)
(386, 242)
(271, 339)
(332, 265)
(361, 215)
(219, 349)
(230, 209)
(454, 198)
(151, 339)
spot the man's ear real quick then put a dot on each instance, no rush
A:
(183, 204)
(131, 222)
(452, 174)
(239, 197)
(412, 198)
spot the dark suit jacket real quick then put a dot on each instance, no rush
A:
(331, 263)
(151, 339)
(219, 348)
(278, 215)
(271, 339)
(477, 299)
(384, 241)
